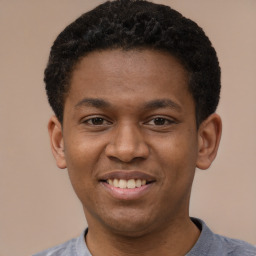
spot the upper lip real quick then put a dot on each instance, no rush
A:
(126, 175)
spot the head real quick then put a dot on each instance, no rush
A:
(136, 24)
(134, 87)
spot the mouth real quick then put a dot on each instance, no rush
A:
(128, 185)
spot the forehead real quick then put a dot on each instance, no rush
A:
(129, 81)
(132, 76)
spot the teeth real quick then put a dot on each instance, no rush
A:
(122, 184)
(115, 183)
(132, 183)
(138, 183)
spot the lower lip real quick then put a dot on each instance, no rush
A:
(128, 193)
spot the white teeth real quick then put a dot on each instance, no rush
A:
(132, 183)
(122, 184)
(115, 183)
(138, 183)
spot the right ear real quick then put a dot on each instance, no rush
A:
(56, 140)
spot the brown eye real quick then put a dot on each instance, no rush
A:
(97, 121)
(159, 121)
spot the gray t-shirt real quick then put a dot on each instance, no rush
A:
(208, 244)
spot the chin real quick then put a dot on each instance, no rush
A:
(129, 225)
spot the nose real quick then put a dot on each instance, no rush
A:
(127, 143)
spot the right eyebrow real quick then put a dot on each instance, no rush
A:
(92, 102)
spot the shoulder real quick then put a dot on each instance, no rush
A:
(73, 247)
(213, 244)
(236, 247)
(60, 250)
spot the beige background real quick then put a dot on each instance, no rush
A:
(38, 208)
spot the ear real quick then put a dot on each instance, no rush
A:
(56, 139)
(209, 134)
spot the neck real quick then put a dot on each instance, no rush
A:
(175, 239)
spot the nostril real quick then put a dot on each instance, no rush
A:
(127, 143)
(126, 154)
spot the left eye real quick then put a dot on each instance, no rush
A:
(97, 121)
(160, 121)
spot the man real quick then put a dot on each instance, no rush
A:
(134, 87)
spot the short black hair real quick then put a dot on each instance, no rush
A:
(131, 24)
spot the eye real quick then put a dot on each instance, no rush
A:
(160, 121)
(97, 121)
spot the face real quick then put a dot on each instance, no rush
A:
(130, 139)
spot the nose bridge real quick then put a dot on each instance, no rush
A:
(127, 143)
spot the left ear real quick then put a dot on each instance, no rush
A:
(209, 134)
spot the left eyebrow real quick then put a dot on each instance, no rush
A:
(163, 103)
(92, 102)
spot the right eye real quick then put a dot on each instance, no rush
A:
(97, 121)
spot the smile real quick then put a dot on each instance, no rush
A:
(128, 184)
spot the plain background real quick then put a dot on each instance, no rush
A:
(38, 207)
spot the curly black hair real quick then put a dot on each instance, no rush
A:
(130, 24)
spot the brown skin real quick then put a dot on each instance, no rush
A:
(129, 137)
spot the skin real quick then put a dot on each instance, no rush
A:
(126, 112)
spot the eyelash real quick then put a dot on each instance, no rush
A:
(92, 119)
(161, 119)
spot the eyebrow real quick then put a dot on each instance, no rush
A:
(91, 102)
(154, 104)
(162, 103)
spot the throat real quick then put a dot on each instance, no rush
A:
(175, 243)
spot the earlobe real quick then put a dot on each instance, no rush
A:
(56, 140)
(209, 135)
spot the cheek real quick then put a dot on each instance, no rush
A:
(82, 153)
(177, 156)
(82, 157)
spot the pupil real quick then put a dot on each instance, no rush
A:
(97, 121)
(159, 121)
